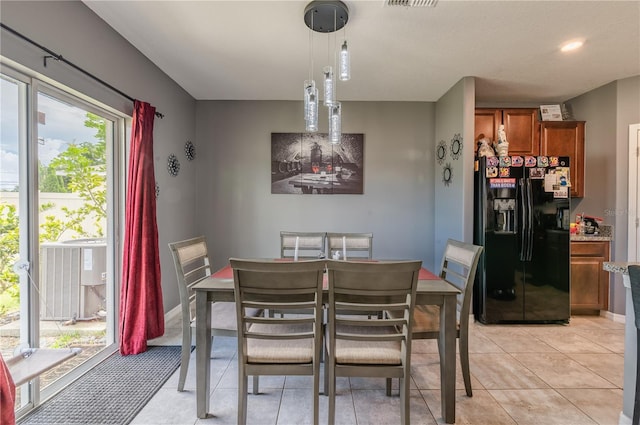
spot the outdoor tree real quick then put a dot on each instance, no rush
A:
(80, 169)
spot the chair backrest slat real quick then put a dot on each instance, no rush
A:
(281, 286)
(192, 264)
(367, 286)
(311, 245)
(459, 264)
(356, 245)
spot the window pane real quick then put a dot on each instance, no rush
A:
(72, 187)
(13, 112)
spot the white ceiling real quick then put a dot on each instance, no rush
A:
(259, 50)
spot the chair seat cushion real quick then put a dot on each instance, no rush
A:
(280, 350)
(367, 352)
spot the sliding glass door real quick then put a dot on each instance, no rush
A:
(61, 159)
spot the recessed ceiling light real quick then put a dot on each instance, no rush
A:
(571, 45)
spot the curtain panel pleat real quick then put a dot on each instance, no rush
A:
(7, 395)
(141, 310)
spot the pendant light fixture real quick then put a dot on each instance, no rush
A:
(345, 65)
(326, 17)
(311, 106)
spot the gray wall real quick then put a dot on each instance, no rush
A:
(454, 202)
(608, 111)
(240, 216)
(74, 31)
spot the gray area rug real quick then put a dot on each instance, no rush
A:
(113, 392)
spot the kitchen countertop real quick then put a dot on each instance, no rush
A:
(605, 234)
(617, 267)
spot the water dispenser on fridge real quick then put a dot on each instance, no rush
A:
(504, 212)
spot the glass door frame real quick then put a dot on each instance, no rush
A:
(116, 149)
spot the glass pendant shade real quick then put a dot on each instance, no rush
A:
(335, 123)
(345, 65)
(311, 106)
(329, 92)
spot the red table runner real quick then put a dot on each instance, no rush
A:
(227, 273)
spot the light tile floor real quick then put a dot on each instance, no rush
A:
(521, 374)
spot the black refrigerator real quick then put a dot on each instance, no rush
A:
(521, 218)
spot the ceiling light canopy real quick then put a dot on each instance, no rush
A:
(326, 16)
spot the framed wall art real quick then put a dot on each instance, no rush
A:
(308, 163)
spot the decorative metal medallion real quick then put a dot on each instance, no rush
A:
(447, 174)
(189, 150)
(456, 146)
(157, 190)
(173, 165)
(441, 151)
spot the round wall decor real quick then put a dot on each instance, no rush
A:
(456, 146)
(441, 151)
(189, 150)
(447, 174)
(173, 165)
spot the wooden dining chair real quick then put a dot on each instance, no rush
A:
(192, 264)
(634, 280)
(356, 346)
(356, 245)
(311, 245)
(458, 267)
(286, 345)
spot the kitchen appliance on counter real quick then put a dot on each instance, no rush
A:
(521, 218)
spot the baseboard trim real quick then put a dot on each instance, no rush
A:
(619, 318)
(174, 313)
(624, 419)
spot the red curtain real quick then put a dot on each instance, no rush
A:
(7, 395)
(141, 311)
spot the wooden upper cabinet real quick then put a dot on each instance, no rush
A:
(487, 123)
(522, 129)
(528, 136)
(566, 138)
(520, 125)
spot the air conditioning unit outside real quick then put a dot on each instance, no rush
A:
(72, 279)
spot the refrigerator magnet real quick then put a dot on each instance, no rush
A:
(543, 161)
(530, 161)
(536, 173)
(551, 182)
(553, 161)
(492, 161)
(561, 192)
(563, 176)
(516, 161)
(492, 172)
(504, 171)
(502, 183)
(505, 161)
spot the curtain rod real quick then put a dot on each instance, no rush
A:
(57, 57)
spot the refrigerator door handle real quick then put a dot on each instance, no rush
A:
(530, 220)
(523, 215)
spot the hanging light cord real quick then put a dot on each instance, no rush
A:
(311, 50)
(335, 37)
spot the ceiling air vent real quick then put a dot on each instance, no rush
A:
(411, 3)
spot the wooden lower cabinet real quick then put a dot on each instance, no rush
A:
(589, 282)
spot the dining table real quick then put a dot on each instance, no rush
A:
(432, 290)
